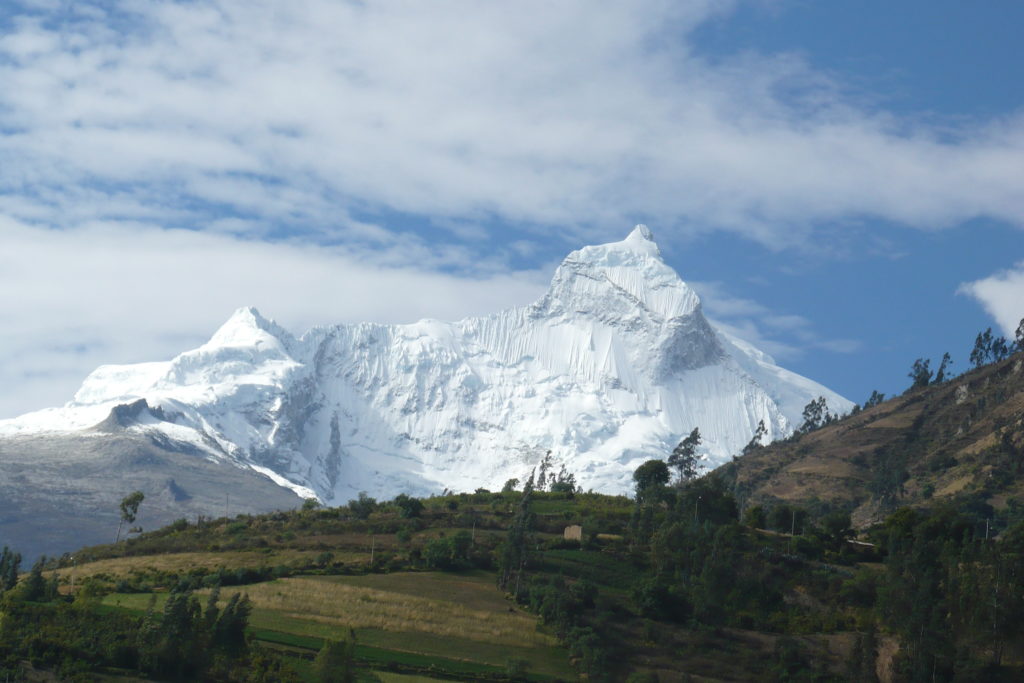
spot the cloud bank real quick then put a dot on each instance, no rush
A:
(73, 300)
(580, 114)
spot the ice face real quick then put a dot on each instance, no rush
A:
(613, 366)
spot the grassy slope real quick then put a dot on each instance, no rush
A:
(962, 438)
(456, 623)
(459, 624)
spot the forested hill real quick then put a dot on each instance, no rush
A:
(961, 439)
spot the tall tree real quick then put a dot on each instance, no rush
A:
(129, 510)
(982, 348)
(1000, 349)
(515, 551)
(563, 482)
(650, 477)
(920, 373)
(815, 415)
(10, 563)
(335, 663)
(684, 457)
(940, 374)
(542, 471)
(875, 399)
(756, 440)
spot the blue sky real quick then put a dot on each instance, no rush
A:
(843, 183)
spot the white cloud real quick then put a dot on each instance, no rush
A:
(578, 113)
(75, 299)
(1002, 295)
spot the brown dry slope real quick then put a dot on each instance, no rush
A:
(963, 439)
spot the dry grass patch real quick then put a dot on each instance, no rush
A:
(183, 562)
(348, 606)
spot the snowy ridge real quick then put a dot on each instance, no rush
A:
(611, 367)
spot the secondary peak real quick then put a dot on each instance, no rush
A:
(640, 232)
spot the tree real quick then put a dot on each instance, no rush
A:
(787, 519)
(754, 517)
(920, 373)
(515, 551)
(10, 563)
(941, 374)
(229, 631)
(510, 486)
(309, 504)
(335, 662)
(1000, 349)
(649, 478)
(562, 482)
(542, 471)
(838, 528)
(1019, 336)
(756, 439)
(129, 510)
(982, 348)
(875, 399)
(815, 415)
(33, 588)
(684, 457)
(363, 506)
(408, 507)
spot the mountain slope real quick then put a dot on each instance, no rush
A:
(611, 367)
(963, 438)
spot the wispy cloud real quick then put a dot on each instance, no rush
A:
(583, 114)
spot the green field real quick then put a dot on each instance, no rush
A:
(455, 623)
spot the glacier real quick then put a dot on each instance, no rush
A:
(611, 367)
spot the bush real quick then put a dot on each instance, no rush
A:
(408, 507)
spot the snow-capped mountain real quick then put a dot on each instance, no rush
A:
(613, 366)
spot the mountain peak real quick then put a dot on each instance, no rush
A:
(640, 232)
(620, 280)
(246, 327)
(640, 240)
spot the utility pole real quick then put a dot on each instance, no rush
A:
(792, 530)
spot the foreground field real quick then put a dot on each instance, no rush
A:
(447, 619)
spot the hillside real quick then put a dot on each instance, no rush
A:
(60, 491)
(485, 586)
(419, 593)
(959, 440)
